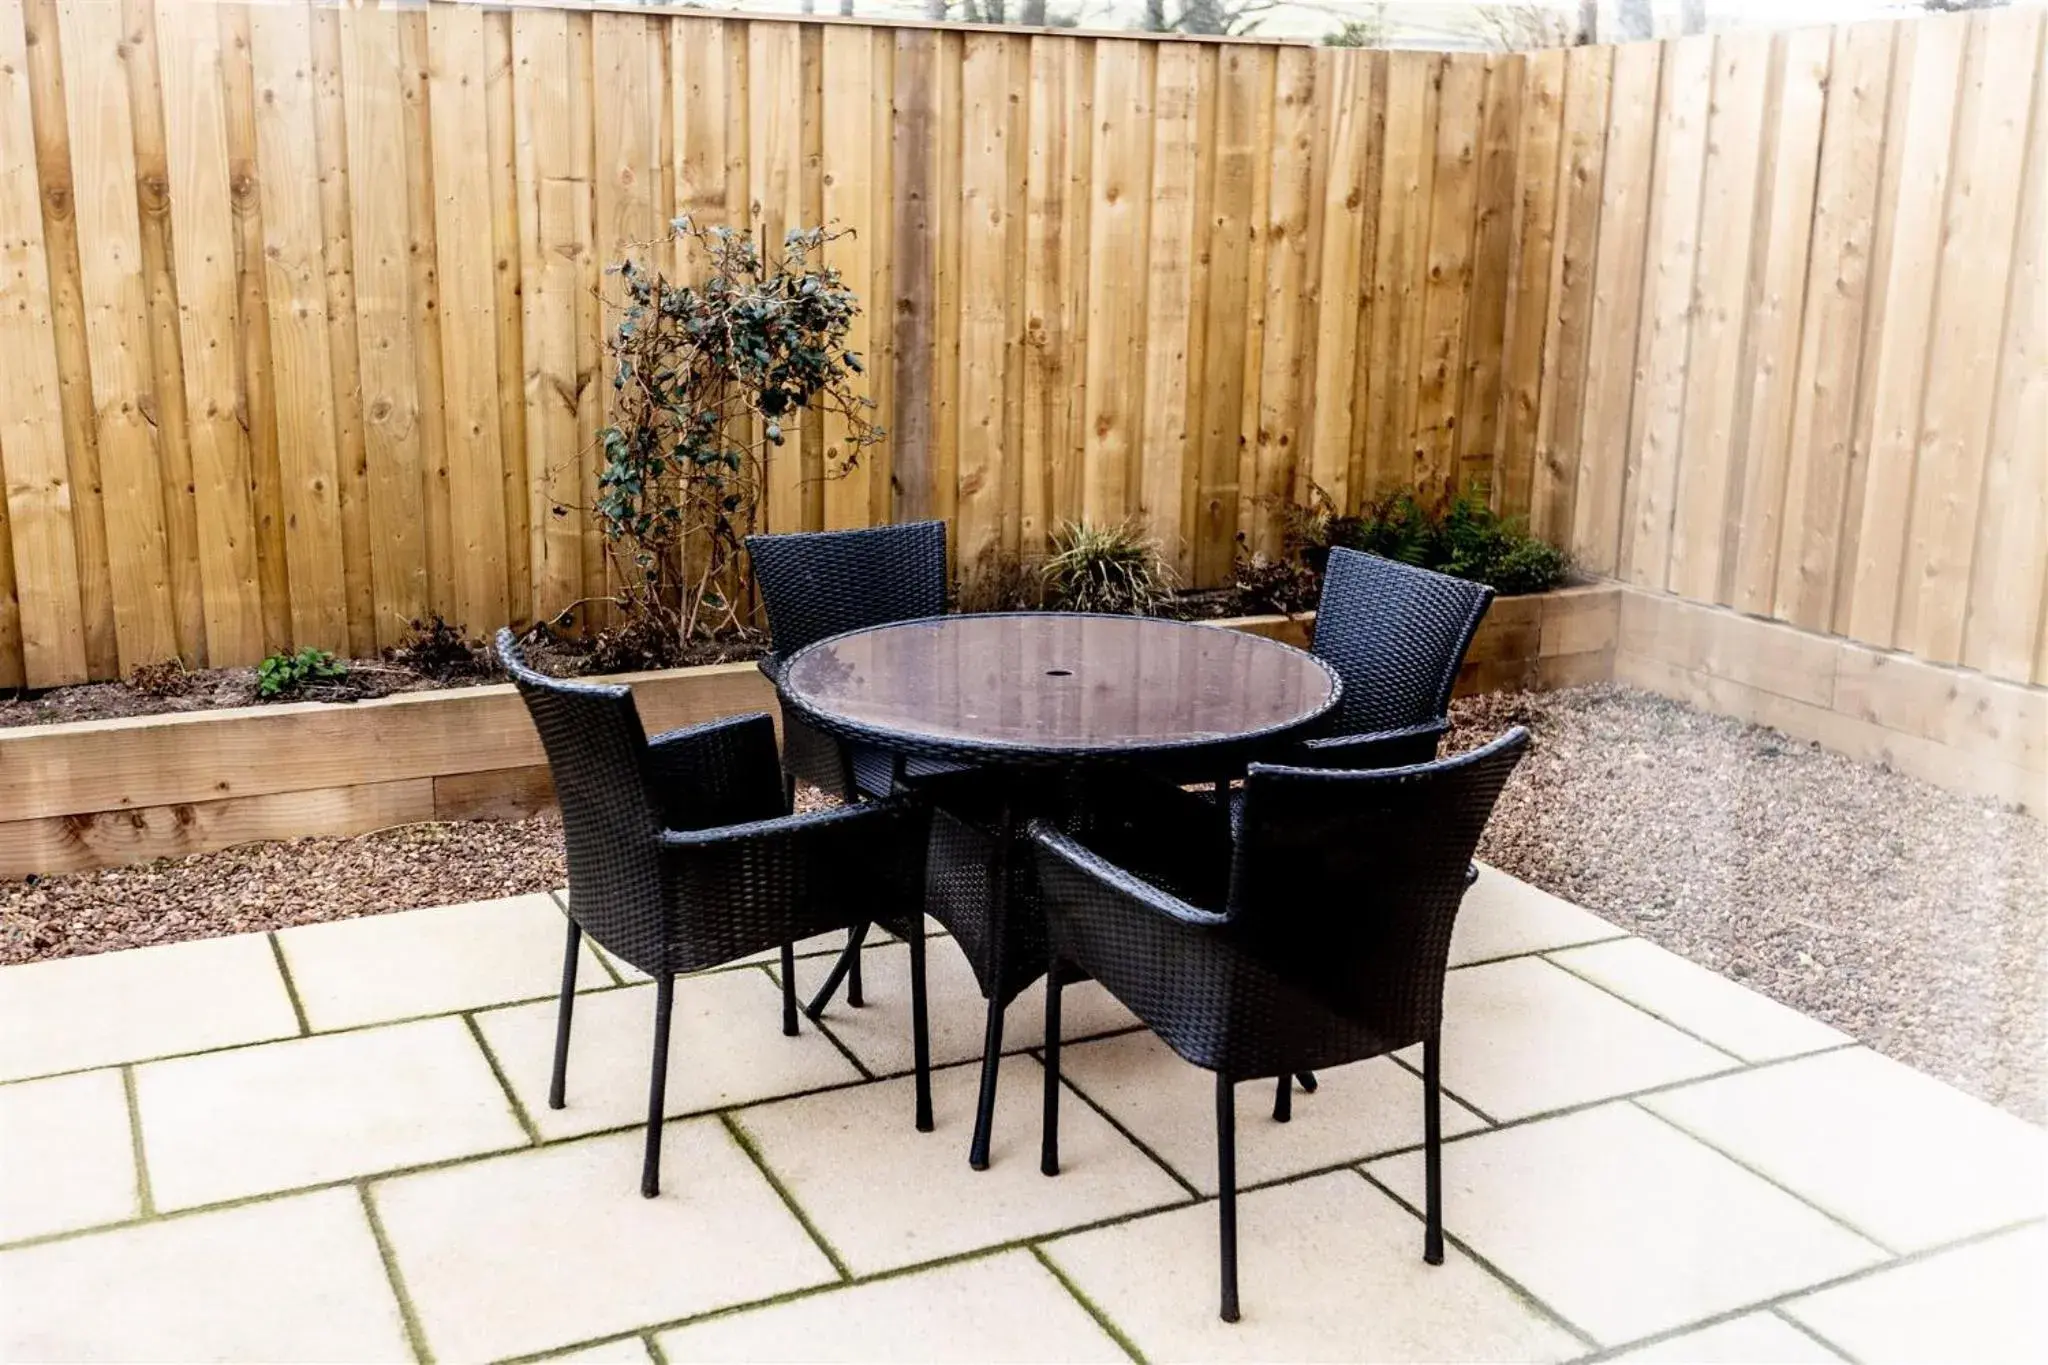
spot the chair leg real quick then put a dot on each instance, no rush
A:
(788, 793)
(849, 961)
(920, 1029)
(1049, 1127)
(657, 1086)
(985, 1109)
(1226, 1183)
(854, 995)
(1432, 1157)
(1308, 1081)
(558, 1084)
(1283, 1099)
(789, 989)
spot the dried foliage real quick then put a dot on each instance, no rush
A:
(435, 648)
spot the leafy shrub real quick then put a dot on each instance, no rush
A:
(1287, 584)
(1467, 539)
(283, 675)
(706, 378)
(1110, 569)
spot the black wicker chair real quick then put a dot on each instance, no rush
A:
(683, 854)
(1318, 935)
(1397, 636)
(817, 584)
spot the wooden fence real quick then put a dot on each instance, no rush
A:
(302, 330)
(1796, 339)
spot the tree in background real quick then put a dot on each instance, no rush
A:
(1369, 30)
(1523, 28)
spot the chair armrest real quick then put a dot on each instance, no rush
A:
(740, 888)
(723, 772)
(1112, 885)
(1397, 748)
(771, 665)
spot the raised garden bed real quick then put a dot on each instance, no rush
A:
(99, 793)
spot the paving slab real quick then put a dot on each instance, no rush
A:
(885, 1195)
(1624, 1225)
(995, 1309)
(1502, 916)
(410, 963)
(67, 1155)
(1525, 1037)
(1753, 1339)
(1357, 1111)
(1329, 1269)
(295, 1279)
(1981, 1302)
(546, 1248)
(1905, 1159)
(1704, 1003)
(879, 1032)
(256, 1120)
(79, 1012)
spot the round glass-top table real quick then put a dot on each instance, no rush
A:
(1056, 688)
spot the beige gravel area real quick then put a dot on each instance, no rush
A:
(1912, 918)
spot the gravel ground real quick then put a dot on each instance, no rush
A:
(1912, 918)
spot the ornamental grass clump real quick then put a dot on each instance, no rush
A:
(709, 377)
(1115, 570)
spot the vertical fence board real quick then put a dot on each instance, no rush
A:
(40, 515)
(167, 411)
(1567, 320)
(848, 184)
(1976, 261)
(1408, 167)
(1709, 457)
(1169, 305)
(116, 322)
(457, 71)
(1475, 453)
(2011, 564)
(775, 163)
(914, 213)
(1240, 91)
(1793, 113)
(1657, 413)
(196, 141)
(554, 242)
(1617, 305)
(508, 312)
(1905, 262)
(1830, 346)
(1447, 272)
(985, 210)
(1344, 89)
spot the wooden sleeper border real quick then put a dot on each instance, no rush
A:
(88, 794)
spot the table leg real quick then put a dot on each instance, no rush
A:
(992, 1040)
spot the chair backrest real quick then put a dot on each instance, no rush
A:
(1349, 882)
(820, 583)
(597, 755)
(1397, 635)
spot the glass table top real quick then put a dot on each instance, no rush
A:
(1060, 682)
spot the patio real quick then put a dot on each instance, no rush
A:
(332, 1142)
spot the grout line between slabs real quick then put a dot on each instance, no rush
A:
(1128, 1136)
(144, 1194)
(1776, 1302)
(408, 1312)
(654, 1351)
(1513, 1285)
(1742, 1164)
(1777, 1310)
(291, 987)
(504, 1082)
(1665, 1020)
(1089, 1306)
(773, 973)
(746, 1143)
